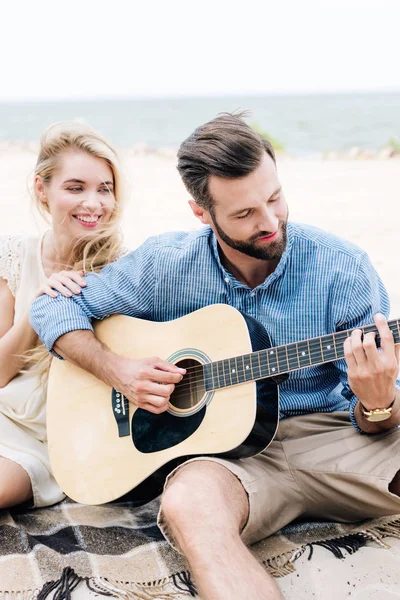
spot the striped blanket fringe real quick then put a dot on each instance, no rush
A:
(279, 566)
(72, 543)
(177, 586)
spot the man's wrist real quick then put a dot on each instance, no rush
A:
(110, 369)
(378, 427)
(378, 404)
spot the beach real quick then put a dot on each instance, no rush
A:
(358, 200)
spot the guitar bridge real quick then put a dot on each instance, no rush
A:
(120, 408)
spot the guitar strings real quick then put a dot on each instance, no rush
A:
(337, 336)
(293, 350)
(314, 344)
(315, 351)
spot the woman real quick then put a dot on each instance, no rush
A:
(77, 184)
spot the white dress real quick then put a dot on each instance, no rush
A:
(23, 400)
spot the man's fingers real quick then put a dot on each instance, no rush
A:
(348, 353)
(163, 365)
(369, 345)
(387, 340)
(157, 410)
(153, 403)
(156, 389)
(397, 353)
(164, 376)
(357, 347)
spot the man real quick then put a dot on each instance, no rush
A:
(299, 282)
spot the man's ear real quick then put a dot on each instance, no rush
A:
(200, 213)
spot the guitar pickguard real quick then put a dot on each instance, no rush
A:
(152, 433)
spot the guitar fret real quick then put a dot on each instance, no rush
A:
(297, 351)
(209, 383)
(329, 348)
(281, 355)
(334, 345)
(241, 371)
(285, 358)
(233, 371)
(251, 367)
(277, 360)
(322, 351)
(309, 352)
(247, 368)
(228, 369)
(223, 370)
(340, 337)
(304, 357)
(220, 366)
(255, 365)
(292, 357)
(272, 362)
(268, 372)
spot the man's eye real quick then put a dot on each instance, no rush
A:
(274, 199)
(245, 215)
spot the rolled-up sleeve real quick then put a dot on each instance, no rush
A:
(123, 287)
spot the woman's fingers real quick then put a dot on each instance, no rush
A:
(66, 282)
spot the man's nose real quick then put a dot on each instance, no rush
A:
(268, 221)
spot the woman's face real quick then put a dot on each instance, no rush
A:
(80, 195)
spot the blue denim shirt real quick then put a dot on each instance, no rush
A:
(322, 284)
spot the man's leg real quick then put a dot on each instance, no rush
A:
(205, 507)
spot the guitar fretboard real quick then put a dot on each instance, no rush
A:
(284, 359)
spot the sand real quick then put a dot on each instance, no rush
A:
(357, 200)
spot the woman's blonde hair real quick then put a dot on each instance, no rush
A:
(90, 252)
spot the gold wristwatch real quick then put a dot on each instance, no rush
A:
(377, 414)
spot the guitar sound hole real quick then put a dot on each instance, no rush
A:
(189, 392)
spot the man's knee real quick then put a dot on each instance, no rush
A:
(203, 491)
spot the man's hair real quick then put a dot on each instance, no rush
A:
(225, 147)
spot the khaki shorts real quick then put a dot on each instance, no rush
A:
(317, 467)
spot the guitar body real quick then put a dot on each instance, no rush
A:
(102, 447)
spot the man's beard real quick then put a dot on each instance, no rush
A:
(272, 251)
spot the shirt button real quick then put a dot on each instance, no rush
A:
(227, 279)
(253, 293)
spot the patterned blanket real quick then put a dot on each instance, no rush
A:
(118, 550)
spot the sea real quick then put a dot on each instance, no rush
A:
(305, 125)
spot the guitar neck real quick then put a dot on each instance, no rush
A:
(284, 359)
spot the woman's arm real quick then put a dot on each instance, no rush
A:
(19, 338)
(14, 339)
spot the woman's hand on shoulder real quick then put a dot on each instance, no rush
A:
(64, 282)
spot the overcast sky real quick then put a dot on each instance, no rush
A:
(112, 49)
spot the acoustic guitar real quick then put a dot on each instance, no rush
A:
(102, 447)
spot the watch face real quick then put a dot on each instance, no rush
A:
(378, 417)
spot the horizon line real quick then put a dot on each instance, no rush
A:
(197, 97)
